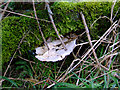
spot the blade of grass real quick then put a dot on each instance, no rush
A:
(14, 83)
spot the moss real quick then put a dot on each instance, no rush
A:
(66, 17)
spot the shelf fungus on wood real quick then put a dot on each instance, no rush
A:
(56, 51)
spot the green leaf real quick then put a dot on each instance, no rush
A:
(68, 85)
(9, 80)
(81, 79)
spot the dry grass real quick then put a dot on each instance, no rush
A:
(89, 63)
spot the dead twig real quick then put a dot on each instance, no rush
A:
(4, 10)
(81, 44)
(100, 18)
(108, 31)
(69, 68)
(51, 18)
(39, 25)
(109, 56)
(115, 44)
(3, 4)
(60, 68)
(35, 36)
(80, 70)
(32, 62)
(26, 59)
(39, 82)
(112, 9)
(89, 38)
(116, 13)
(24, 15)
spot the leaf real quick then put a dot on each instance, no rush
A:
(68, 85)
(9, 80)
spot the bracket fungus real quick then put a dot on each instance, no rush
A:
(56, 51)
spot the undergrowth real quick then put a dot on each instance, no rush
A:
(78, 70)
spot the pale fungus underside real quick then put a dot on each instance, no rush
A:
(56, 51)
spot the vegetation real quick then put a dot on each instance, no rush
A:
(20, 37)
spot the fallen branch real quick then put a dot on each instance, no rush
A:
(24, 15)
(39, 25)
(51, 18)
(89, 38)
(112, 9)
(4, 10)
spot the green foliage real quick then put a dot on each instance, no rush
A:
(13, 30)
(11, 81)
(66, 17)
(65, 85)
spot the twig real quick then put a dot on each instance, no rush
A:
(100, 76)
(107, 54)
(106, 48)
(79, 74)
(98, 19)
(116, 13)
(39, 25)
(4, 10)
(89, 38)
(112, 9)
(114, 44)
(26, 59)
(103, 75)
(69, 68)
(35, 36)
(110, 56)
(78, 50)
(32, 68)
(24, 15)
(60, 68)
(75, 57)
(108, 31)
(32, 62)
(50, 15)
(91, 72)
(7, 15)
(79, 70)
(39, 82)
(81, 44)
(3, 4)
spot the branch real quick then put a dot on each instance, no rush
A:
(23, 15)
(89, 38)
(39, 26)
(112, 9)
(4, 10)
(50, 15)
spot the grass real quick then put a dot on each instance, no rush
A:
(75, 71)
